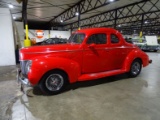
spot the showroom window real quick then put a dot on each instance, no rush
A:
(114, 39)
(97, 39)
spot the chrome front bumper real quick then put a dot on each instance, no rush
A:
(21, 79)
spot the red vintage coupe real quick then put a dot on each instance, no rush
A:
(89, 54)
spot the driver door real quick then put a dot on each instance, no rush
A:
(95, 54)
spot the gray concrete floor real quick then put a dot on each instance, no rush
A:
(111, 98)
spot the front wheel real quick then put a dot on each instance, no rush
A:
(53, 82)
(135, 68)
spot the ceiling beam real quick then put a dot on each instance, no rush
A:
(123, 13)
(85, 6)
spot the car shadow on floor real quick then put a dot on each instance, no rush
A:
(37, 91)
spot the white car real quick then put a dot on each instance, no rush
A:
(149, 44)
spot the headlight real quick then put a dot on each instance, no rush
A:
(28, 66)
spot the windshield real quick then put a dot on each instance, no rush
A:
(76, 38)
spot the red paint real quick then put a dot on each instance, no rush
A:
(83, 61)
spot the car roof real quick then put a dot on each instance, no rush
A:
(91, 30)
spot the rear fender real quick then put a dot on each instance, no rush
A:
(134, 54)
(42, 65)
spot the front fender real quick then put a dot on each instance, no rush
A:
(134, 54)
(41, 65)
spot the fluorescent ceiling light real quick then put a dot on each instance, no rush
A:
(10, 6)
(145, 22)
(14, 17)
(77, 13)
(111, 0)
(61, 21)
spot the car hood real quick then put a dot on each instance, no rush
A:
(27, 53)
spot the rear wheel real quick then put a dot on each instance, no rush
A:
(53, 82)
(135, 68)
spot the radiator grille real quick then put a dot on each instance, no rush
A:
(22, 66)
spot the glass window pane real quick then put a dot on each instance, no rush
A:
(97, 39)
(77, 38)
(114, 39)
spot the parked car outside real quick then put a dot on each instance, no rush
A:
(89, 54)
(52, 41)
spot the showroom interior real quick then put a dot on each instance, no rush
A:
(42, 28)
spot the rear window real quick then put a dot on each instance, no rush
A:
(114, 39)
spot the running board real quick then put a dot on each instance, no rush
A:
(92, 76)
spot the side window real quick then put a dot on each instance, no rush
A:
(114, 39)
(97, 39)
(76, 38)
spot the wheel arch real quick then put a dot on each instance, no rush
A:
(54, 70)
(43, 65)
(138, 58)
(130, 58)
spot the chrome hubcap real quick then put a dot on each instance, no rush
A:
(54, 82)
(136, 68)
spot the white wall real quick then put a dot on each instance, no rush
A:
(53, 34)
(20, 31)
(7, 45)
(32, 33)
(62, 34)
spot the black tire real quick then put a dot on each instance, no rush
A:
(155, 50)
(53, 82)
(135, 68)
